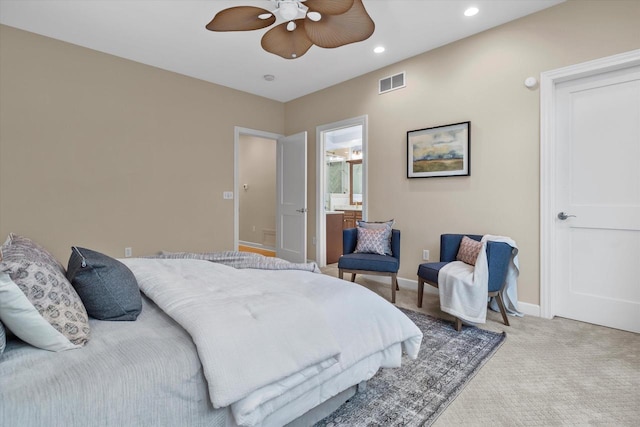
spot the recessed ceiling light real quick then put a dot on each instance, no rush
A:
(471, 11)
(379, 49)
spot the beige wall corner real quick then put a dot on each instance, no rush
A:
(480, 79)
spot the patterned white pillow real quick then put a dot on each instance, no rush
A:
(19, 247)
(37, 302)
(373, 240)
(469, 250)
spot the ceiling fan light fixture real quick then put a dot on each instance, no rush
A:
(324, 23)
(472, 11)
(288, 10)
(314, 16)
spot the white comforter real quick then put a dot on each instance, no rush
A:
(266, 337)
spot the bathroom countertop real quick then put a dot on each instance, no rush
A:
(348, 207)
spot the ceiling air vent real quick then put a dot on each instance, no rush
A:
(387, 84)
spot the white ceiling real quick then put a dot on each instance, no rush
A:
(171, 34)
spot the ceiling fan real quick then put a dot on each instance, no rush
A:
(325, 23)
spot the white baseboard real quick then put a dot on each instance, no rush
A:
(408, 284)
(402, 283)
(256, 245)
(529, 309)
(525, 307)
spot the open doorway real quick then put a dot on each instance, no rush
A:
(255, 187)
(283, 228)
(341, 183)
(257, 195)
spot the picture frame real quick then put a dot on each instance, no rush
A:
(439, 151)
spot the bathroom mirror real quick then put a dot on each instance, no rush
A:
(355, 182)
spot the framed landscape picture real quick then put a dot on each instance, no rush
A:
(439, 151)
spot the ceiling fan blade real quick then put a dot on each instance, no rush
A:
(240, 18)
(332, 31)
(329, 7)
(285, 43)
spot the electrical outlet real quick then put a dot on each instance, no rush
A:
(227, 195)
(314, 241)
(425, 255)
(128, 252)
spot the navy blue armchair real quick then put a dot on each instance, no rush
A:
(498, 259)
(362, 263)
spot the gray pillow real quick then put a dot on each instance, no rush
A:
(3, 339)
(108, 289)
(376, 225)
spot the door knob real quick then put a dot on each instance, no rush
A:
(563, 215)
(303, 210)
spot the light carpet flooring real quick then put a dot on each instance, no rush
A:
(556, 372)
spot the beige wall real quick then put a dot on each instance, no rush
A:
(478, 79)
(257, 203)
(106, 153)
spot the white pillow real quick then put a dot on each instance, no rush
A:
(37, 302)
(22, 318)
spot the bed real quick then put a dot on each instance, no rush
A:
(212, 345)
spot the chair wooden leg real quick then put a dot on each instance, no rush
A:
(353, 277)
(394, 285)
(503, 310)
(340, 274)
(420, 290)
(458, 324)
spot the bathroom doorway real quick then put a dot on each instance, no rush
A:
(341, 183)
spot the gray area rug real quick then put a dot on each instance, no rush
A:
(418, 392)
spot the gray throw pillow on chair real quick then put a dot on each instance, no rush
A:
(379, 225)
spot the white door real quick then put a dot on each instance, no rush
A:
(291, 230)
(597, 223)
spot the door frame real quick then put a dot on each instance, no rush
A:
(236, 172)
(321, 243)
(548, 163)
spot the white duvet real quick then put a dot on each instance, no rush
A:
(266, 338)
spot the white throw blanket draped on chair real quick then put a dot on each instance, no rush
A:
(463, 289)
